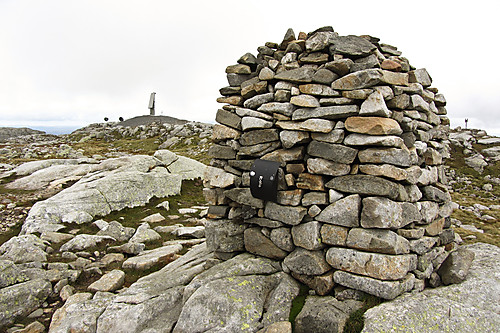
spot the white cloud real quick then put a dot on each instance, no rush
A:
(78, 61)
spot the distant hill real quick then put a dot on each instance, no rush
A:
(146, 120)
(10, 132)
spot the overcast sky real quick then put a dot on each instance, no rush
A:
(71, 63)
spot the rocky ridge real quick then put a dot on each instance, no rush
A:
(196, 290)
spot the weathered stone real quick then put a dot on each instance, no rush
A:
(225, 235)
(19, 300)
(258, 150)
(317, 90)
(282, 237)
(229, 90)
(357, 93)
(55, 237)
(109, 282)
(117, 231)
(222, 152)
(191, 232)
(314, 198)
(233, 100)
(326, 112)
(215, 177)
(363, 63)
(429, 210)
(266, 74)
(314, 58)
(366, 185)
(288, 215)
(422, 245)
(311, 125)
(386, 170)
(375, 105)
(242, 112)
(244, 196)
(373, 125)
(277, 327)
(432, 193)
(326, 167)
(83, 242)
(334, 235)
(358, 80)
(285, 155)
(335, 136)
(248, 123)
(320, 40)
(128, 248)
(420, 76)
(378, 266)
(435, 227)
(325, 315)
(357, 139)
(383, 289)
(302, 74)
(307, 101)
(325, 76)
(291, 138)
(351, 45)
(255, 102)
(259, 136)
(257, 243)
(228, 118)
(10, 274)
(307, 181)
(23, 249)
(380, 241)
(222, 132)
(144, 234)
(332, 152)
(391, 65)
(411, 233)
(379, 212)
(447, 308)
(456, 266)
(343, 212)
(340, 66)
(393, 78)
(281, 108)
(290, 198)
(399, 102)
(394, 156)
(238, 69)
(150, 258)
(153, 218)
(321, 284)
(307, 235)
(236, 80)
(307, 262)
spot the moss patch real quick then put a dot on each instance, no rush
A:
(356, 321)
(298, 304)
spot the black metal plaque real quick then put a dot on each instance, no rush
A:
(264, 180)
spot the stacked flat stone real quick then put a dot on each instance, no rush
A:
(360, 135)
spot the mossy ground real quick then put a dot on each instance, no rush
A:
(469, 192)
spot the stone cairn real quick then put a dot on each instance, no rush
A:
(360, 136)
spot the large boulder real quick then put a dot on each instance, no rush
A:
(19, 300)
(471, 306)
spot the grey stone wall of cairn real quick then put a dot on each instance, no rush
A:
(360, 135)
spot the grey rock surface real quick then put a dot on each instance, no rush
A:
(21, 299)
(324, 315)
(470, 306)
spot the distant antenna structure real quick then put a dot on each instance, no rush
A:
(152, 104)
(466, 121)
